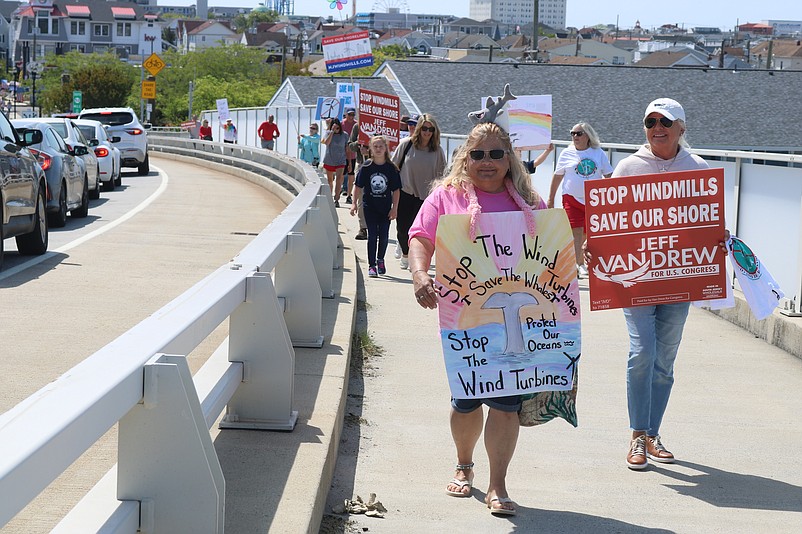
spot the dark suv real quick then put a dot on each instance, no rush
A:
(23, 191)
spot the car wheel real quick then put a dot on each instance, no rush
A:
(112, 183)
(94, 194)
(144, 167)
(59, 219)
(83, 210)
(35, 243)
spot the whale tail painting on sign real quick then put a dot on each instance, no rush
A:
(508, 305)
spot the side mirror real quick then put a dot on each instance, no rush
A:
(30, 137)
(115, 139)
(94, 142)
(81, 150)
(147, 125)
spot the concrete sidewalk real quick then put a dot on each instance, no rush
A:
(734, 423)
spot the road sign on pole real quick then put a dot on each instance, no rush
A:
(154, 64)
(77, 101)
(148, 89)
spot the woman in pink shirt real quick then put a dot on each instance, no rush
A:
(485, 177)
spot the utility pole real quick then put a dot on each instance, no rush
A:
(535, 32)
(34, 70)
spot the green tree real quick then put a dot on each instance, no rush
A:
(236, 72)
(103, 79)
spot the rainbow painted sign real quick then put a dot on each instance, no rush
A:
(530, 121)
(508, 304)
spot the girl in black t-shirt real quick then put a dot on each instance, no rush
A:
(378, 186)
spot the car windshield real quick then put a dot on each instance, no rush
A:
(116, 118)
(88, 131)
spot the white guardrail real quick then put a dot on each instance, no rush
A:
(168, 477)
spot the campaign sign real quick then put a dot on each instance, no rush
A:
(655, 238)
(508, 304)
(348, 51)
(379, 114)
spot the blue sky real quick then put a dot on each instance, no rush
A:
(687, 13)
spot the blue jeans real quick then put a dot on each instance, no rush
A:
(654, 336)
(378, 235)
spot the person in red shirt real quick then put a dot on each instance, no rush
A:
(268, 133)
(205, 131)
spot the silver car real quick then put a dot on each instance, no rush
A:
(23, 192)
(67, 189)
(108, 155)
(74, 138)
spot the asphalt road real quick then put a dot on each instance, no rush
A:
(141, 246)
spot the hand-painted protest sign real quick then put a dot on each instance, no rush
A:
(379, 114)
(530, 121)
(508, 304)
(329, 108)
(347, 92)
(655, 238)
(222, 109)
(348, 51)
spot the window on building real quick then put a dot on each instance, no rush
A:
(123, 29)
(78, 27)
(101, 30)
(78, 48)
(43, 24)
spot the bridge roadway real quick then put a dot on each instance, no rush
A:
(141, 246)
(734, 420)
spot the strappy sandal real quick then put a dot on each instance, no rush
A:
(502, 511)
(462, 483)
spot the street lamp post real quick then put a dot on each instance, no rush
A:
(33, 70)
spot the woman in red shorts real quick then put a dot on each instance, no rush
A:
(584, 160)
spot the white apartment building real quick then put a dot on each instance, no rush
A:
(519, 12)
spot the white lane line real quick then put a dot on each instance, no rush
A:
(94, 233)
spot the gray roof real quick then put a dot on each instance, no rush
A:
(725, 109)
(308, 88)
(7, 8)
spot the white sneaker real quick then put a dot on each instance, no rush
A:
(404, 262)
(582, 271)
(397, 251)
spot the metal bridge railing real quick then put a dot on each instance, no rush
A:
(168, 477)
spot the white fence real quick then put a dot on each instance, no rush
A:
(168, 477)
(763, 191)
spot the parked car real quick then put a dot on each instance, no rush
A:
(74, 138)
(23, 192)
(108, 155)
(133, 143)
(67, 188)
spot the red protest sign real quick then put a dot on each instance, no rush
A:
(378, 115)
(654, 238)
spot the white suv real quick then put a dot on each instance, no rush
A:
(124, 123)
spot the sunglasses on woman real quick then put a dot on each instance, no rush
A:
(649, 122)
(577, 134)
(427, 129)
(479, 155)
